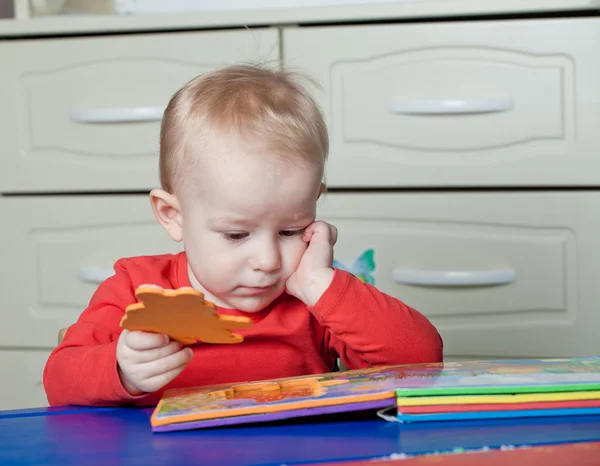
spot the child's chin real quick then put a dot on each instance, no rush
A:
(252, 305)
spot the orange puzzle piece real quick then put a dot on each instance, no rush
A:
(183, 314)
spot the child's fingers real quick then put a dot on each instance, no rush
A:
(333, 234)
(156, 382)
(141, 357)
(323, 237)
(308, 232)
(320, 230)
(161, 367)
(142, 341)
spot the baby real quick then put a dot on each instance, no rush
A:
(242, 157)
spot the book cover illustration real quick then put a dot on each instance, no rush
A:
(382, 384)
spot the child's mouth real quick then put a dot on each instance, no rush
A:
(255, 290)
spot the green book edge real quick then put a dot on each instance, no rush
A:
(407, 392)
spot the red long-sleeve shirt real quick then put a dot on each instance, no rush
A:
(354, 320)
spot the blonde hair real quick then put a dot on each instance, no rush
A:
(250, 101)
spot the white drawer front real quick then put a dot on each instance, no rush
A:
(499, 274)
(60, 249)
(22, 375)
(458, 104)
(84, 114)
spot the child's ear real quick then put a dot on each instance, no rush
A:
(167, 211)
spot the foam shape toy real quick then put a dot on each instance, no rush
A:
(183, 314)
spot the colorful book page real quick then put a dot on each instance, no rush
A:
(499, 407)
(374, 384)
(499, 399)
(464, 415)
(266, 397)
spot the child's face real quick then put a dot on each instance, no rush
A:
(243, 218)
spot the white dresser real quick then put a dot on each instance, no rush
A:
(463, 152)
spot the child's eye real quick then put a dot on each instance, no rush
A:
(291, 233)
(235, 235)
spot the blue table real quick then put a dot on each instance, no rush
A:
(108, 436)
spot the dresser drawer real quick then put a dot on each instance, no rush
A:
(83, 114)
(22, 377)
(487, 103)
(499, 274)
(59, 249)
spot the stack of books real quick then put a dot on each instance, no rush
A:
(505, 389)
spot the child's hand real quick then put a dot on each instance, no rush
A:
(314, 274)
(149, 361)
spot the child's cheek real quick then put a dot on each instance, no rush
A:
(295, 253)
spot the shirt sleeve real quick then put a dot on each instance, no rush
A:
(367, 327)
(82, 370)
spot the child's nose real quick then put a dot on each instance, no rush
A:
(267, 258)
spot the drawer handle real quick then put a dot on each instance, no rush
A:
(454, 277)
(95, 275)
(117, 114)
(450, 106)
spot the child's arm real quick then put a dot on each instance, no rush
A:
(84, 369)
(364, 326)
(369, 328)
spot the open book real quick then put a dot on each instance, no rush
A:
(426, 385)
